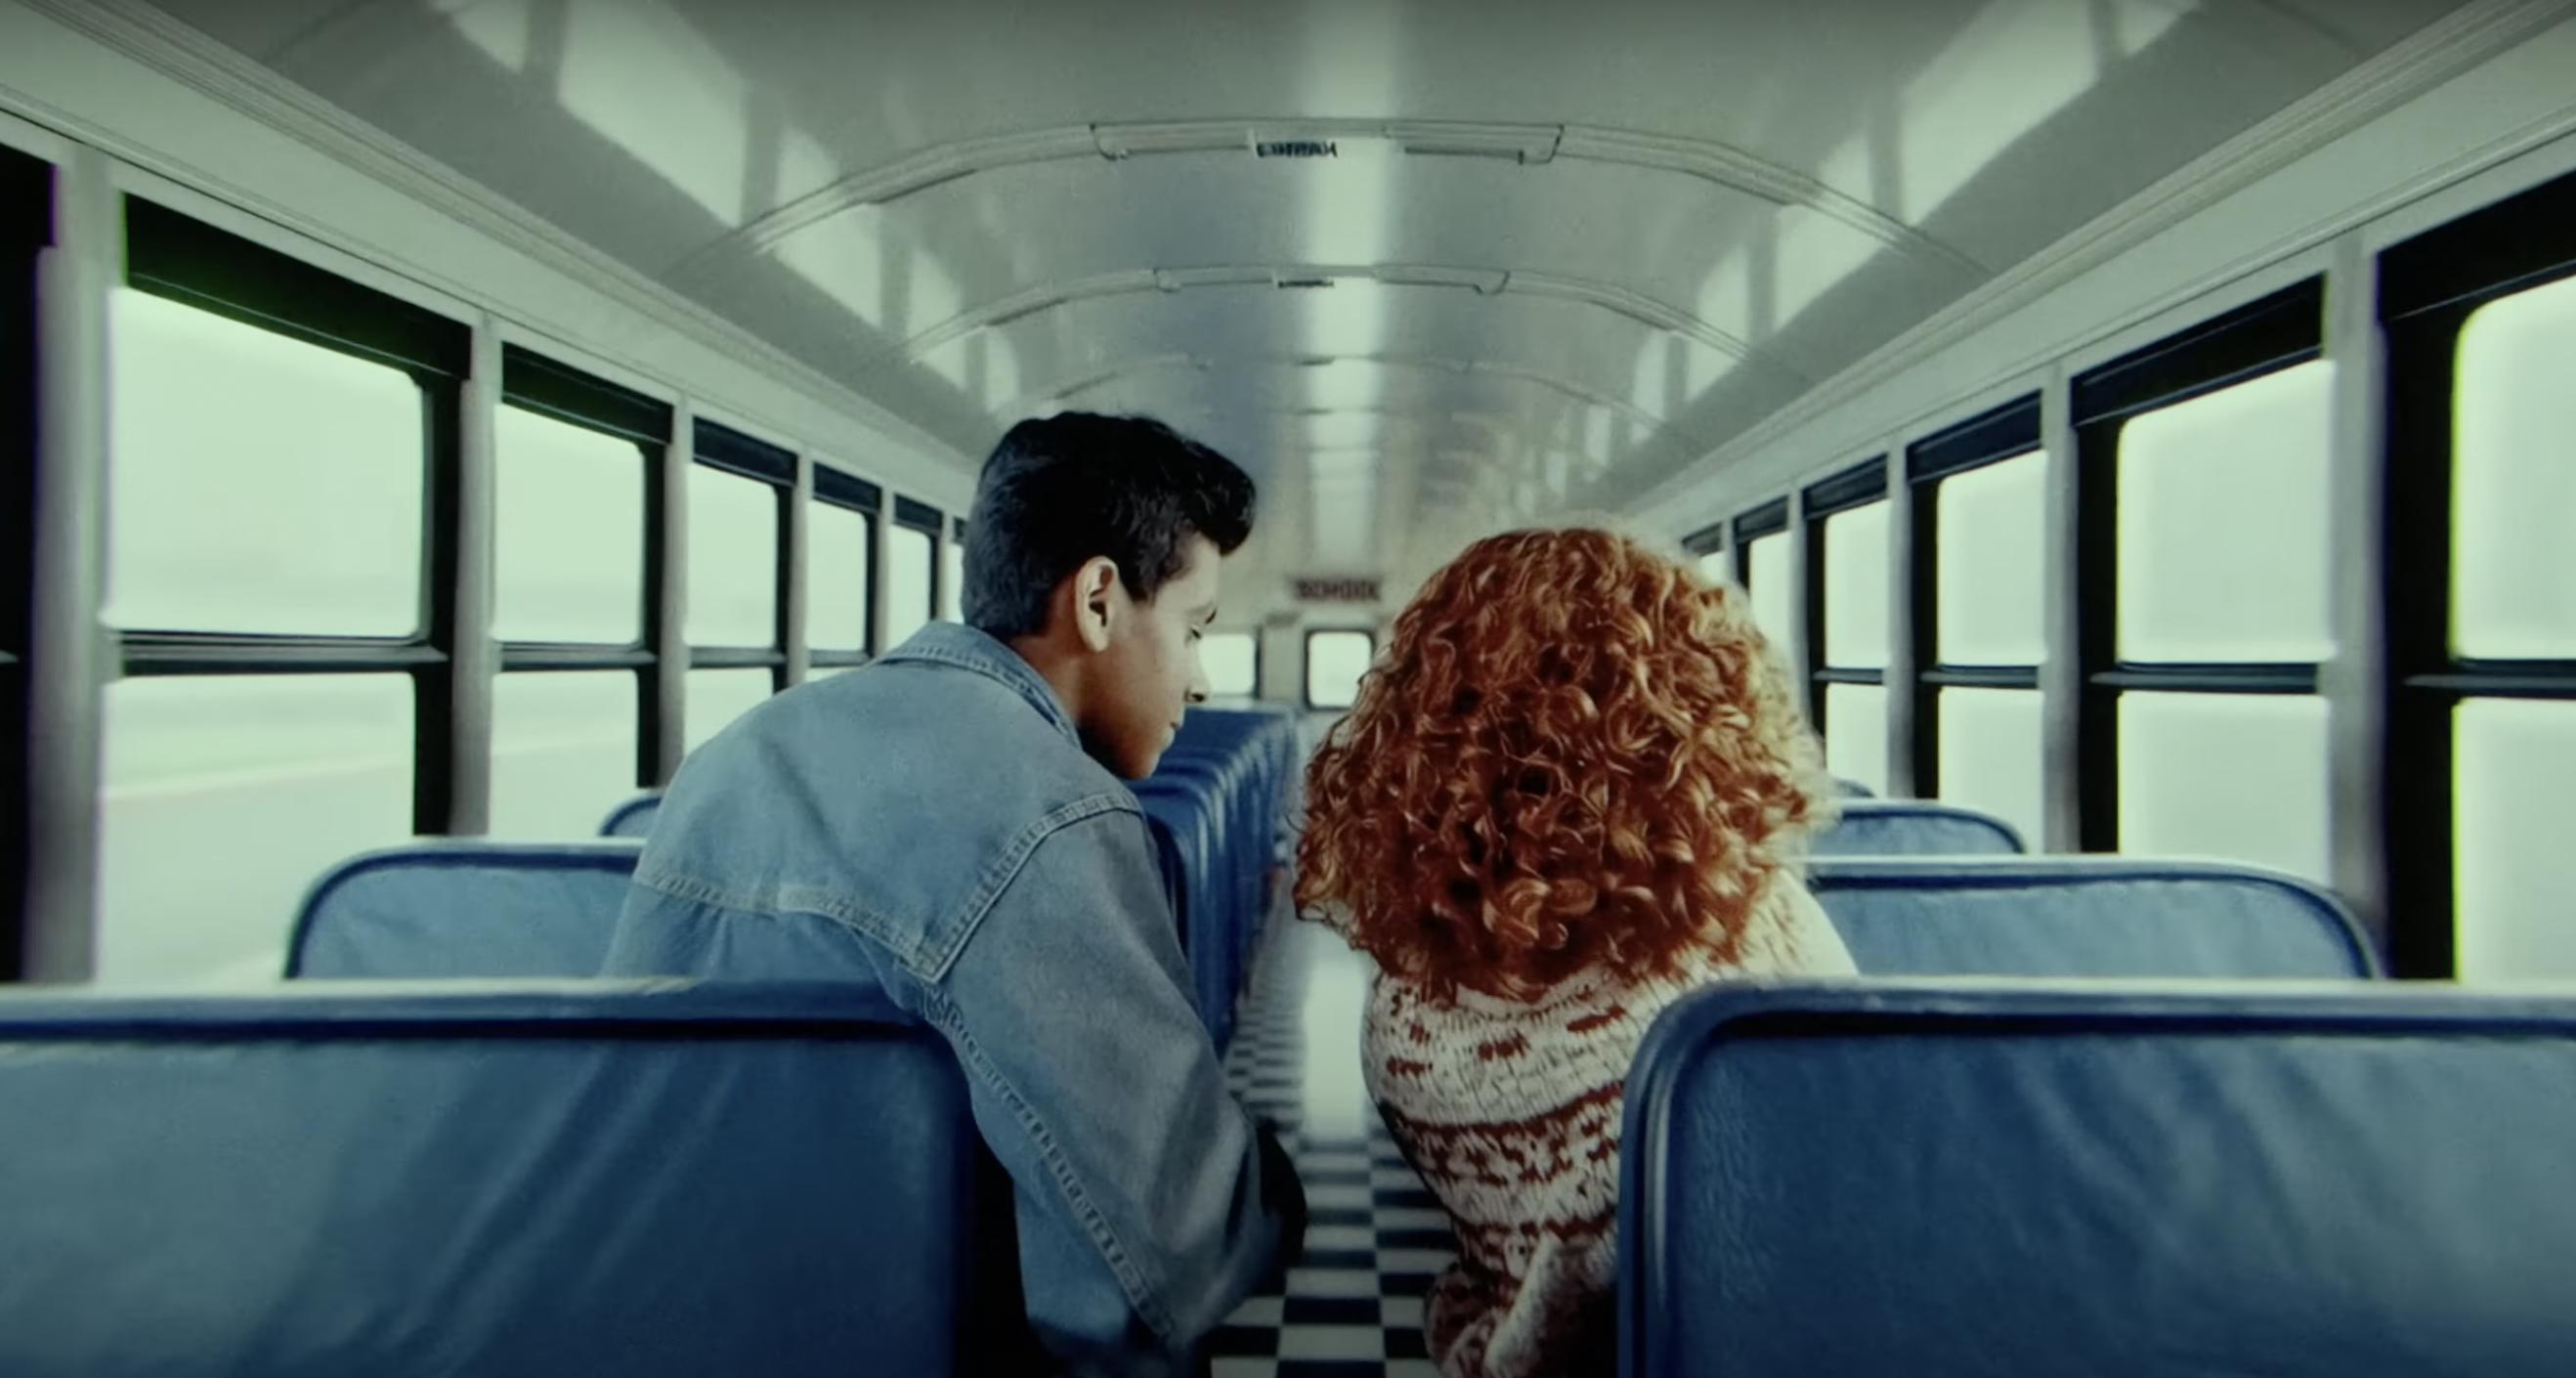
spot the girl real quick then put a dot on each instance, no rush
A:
(1574, 788)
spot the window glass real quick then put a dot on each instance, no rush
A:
(1856, 588)
(1856, 734)
(256, 483)
(2223, 517)
(1990, 756)
(2238, 776)
(717, 697)
(1335, 662)
(840, 549)
(568, 532)
(1232, 664)
(2513, 760)
(1774, 592)
(2513, 589)
(563, 751)
(1717, 567)
(908, 557)
(1991, 523)
(224, 798)
(952, 580)
(733, 559)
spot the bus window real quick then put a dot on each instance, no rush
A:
(732, 559)
(1990, 755)
(2513, 597)
(1990, 528)
(909, 556)
(2511, 762)
(568, 533)
(1988, 568)
(2241, 776)
(1856, 588)
(2222, 505)
(2513, 589)
(1856, 638)
(563, 750)
(1233, 664)
(257, 483)
(717, 697)
(952, 581)
(1335, 663)
(2222, 508)
(1772, 590)
(840, 550)
(224, 797)
(1856, 733)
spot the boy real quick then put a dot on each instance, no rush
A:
(949, 824)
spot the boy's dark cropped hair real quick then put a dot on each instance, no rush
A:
(1062, 489)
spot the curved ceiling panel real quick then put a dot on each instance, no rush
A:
(1575, 347)
(1348, 307)
(1620, 233)
(1325, 144)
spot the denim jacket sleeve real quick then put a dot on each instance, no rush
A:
(1097, 1087)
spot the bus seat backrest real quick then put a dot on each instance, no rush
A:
(634, 818)
(504, 1179)
(2086, 916)
(1915, 827)
(465, 908)
(1945, 1178)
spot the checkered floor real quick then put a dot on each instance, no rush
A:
(1375, 1238)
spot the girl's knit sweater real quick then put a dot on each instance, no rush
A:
(1511, 1112)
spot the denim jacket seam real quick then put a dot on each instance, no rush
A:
(768, 901)
(1131, 1278)
(1005, 868)
(926, 955)
(1019, 679)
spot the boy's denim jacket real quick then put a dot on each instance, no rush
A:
(931, 825)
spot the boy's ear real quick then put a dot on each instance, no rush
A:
(1095, 608)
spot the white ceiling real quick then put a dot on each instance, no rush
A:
(1568, 248)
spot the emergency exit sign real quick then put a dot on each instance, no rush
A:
(1337, 590)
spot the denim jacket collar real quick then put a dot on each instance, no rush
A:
(968, 648)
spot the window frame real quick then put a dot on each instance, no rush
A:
(2428, 287)
(1753, 524)
(1707, 541)
(535, 383)
(2279, 331)
(850, 493)
(26, 231)
(2007, 431)
(726, 450)
(1853, 488)
(173, 255)
(912, 514)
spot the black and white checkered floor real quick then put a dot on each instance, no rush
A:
(1375, 1238)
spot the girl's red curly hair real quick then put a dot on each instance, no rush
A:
(1574, 754)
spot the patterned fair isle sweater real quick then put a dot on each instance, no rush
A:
(1511, 1113)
